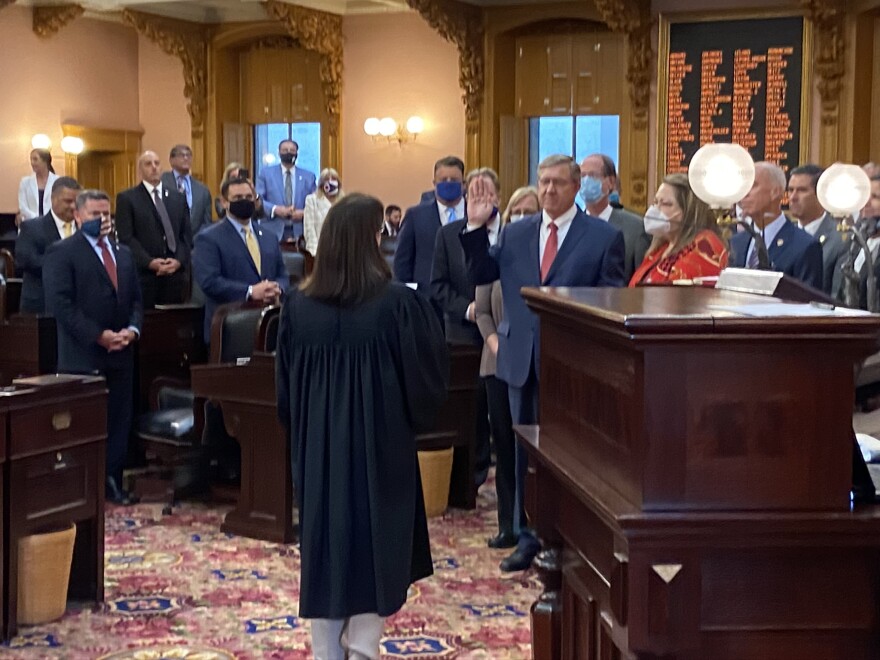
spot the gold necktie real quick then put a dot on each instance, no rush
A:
(252, 247)
(68, 229)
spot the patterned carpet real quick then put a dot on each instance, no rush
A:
(176, 588)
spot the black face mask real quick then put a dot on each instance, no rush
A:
(243, 209)
(288, 159)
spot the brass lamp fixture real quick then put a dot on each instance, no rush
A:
(390, 130)
(721, 174)
(843, 190)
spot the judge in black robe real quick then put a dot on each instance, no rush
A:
(362, 366)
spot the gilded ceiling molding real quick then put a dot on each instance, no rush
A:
(633, 18)
(189, 42)
(462, 24)
(49, 19)
(829, 46)
(321, 32)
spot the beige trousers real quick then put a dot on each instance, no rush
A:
(354, 638)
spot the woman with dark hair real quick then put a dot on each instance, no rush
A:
(686, 242)
(361, 368)
(35, 190)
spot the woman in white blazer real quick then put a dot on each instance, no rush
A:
(35, 190)
(327, 193)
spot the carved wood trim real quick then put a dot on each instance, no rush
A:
(49, 19)
(462, 24)
(320, 32)
(187, 41)
(828, 17)
(633, 18)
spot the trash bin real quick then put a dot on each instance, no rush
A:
(43, 574)
(436, 469)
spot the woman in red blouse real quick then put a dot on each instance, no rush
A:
(686, 243)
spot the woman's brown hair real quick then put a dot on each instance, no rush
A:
(696, 215)
(349, 268)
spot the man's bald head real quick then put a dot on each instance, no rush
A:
(150, 167)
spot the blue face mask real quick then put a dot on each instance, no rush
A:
(448, 191)
(591, 189)
(614, 198)
(91, 227)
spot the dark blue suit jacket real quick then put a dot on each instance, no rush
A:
(592, 254)
(414, 258)
(82, 299)
(793, 252)
(33, 240)
(270, 186)
(224, 269)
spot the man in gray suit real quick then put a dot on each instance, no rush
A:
(198, 197)
(804, 205)
(598, 181)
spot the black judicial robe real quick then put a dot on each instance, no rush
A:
(354, 387)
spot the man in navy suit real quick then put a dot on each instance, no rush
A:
(559, 247)
(792, 250)
(233, 260)
(414, 258)
(35, 237)
(92, 290)
(152, 219)
(283, 189)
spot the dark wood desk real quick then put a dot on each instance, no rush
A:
(690, 480)
(28, 346)
(52, 433)
(246, 393)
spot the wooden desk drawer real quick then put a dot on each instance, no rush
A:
(57, 425)
(55, 486)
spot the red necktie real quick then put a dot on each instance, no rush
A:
(549, 251)
(109, 264)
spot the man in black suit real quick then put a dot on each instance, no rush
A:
(198, 197)
(152, 219)
(37, 235)
(92, 291)
(453, 294)
(414, 257)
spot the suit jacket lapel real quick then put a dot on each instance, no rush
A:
(52, 230)
(780, 243)
(534, 255)
(87, 246)
(149, 201)
(575, 231)
(242, 247)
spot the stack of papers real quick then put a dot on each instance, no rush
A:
(789, 309)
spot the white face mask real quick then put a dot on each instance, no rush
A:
(657, 223)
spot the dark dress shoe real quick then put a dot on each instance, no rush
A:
(502, 540)
(518, 560)
(113, 493)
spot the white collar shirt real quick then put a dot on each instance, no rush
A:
(563, 222)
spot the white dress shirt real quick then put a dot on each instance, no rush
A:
(563, 222)
(493, 229)
(812, 227)
(150, 188)
(605, 214)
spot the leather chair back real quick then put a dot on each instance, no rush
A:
(239, 333)
(295, 263)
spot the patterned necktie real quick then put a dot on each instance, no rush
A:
(183, 187)
(288, 189)
(450, 214)
(753, 257)
(170, 241)
(549, 251)
(109, 264)
(68, 229)
(252, 247)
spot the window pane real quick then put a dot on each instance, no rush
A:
(597, 135)
(308, 137)
(266, 139)
(548, 136)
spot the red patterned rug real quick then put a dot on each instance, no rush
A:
(176, 588)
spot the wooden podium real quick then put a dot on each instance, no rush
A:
(690, 481)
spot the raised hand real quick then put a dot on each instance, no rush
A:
(480, 202)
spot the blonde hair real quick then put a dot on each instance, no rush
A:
(232, 166)
(519, 195)
(487, 172)
(328, 173)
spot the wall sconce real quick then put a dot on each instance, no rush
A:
(391, 131)
(72, 145)
(41, 141)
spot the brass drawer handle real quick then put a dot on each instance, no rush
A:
(61, 420)
(60, 464)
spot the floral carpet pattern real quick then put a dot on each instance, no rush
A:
(178, 588)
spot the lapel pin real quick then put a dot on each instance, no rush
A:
(822, 239)
(779, 242)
